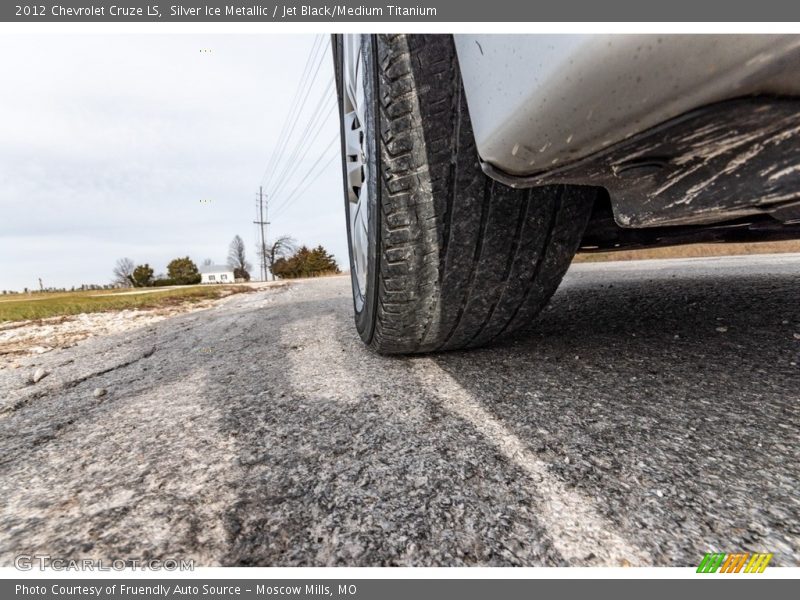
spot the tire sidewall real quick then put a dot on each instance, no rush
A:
(365, 316)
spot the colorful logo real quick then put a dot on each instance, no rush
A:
(743, 562)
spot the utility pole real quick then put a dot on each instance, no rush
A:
(262, 223)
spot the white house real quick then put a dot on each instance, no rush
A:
(216, 274)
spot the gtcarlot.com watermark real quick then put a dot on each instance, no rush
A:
(45, 562)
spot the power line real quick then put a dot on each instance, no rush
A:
(284, 162)
(294, 120)
(306, 143)
(296, 195)
(316, 162)
(315, 116)
(292, 105)
(308, 178)
(302, 149)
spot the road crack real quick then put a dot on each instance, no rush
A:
(73, 383)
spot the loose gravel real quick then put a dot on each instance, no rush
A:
(624, 429)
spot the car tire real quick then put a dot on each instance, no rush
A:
(442, 257)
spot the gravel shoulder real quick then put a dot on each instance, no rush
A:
(650, 415)
(33, 337)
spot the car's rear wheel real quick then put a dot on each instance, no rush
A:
(441, 256)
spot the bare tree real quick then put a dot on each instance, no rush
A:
(282, 247)
(208, 262)
(236, 254)
(123, 272)
(237, 259)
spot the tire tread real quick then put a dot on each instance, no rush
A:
(451, 275)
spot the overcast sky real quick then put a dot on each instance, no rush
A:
(108, 145)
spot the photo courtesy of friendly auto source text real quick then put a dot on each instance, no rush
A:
(364, 300)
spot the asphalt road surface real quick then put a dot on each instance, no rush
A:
(649, 417)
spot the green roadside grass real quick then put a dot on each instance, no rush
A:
(25, 307)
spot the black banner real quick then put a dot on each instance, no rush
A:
(395, 11)
(392, 589)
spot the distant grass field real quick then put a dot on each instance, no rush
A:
(692, 251)
(23, 307)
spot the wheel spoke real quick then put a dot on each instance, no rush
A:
(356, 165)
(352, 138)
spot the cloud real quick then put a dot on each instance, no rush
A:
(109, 144)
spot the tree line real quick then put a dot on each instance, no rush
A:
(281, 256)
(75, 288)
(180, 271)
(305, 263)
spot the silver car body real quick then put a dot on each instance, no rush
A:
(538, 102)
